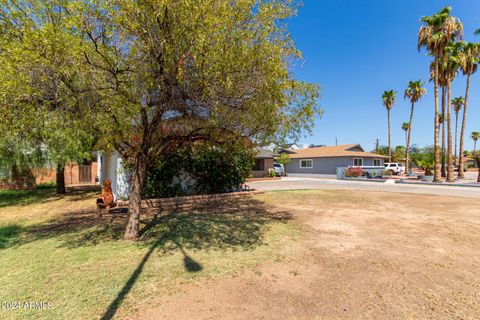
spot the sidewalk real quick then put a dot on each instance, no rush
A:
(297, 183)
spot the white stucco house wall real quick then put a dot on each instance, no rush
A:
(110, 166)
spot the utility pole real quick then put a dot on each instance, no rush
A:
(336, 141)
(376, 145)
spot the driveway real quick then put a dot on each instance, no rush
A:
(295, 183)
(358, 255)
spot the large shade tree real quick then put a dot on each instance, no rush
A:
(37, 104)
(468, 60)
(388, 99)
(169, 73)
(414, 92)
(438, 30)
(150, 77)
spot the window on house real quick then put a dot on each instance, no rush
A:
(376, 162)
(259, 165)
(307, 163)
(358, 162)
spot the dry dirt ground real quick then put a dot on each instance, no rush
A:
(363, 255)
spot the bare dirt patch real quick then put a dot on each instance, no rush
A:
(365, 255)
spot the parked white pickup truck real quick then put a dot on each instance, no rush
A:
(394, 168)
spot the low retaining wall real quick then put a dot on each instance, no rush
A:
(162, 202)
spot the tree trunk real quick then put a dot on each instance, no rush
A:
(478, 177)
(474, 151)
(444, 171)
(389, 146)
(135, 201)
(407, 147)
(436, 147)
(456, 138)
(461, 174)
(60, 177)
(450, 173)
(15, 174)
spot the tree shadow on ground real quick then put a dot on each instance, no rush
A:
(9, 235)
(228, 224)
(234, 224)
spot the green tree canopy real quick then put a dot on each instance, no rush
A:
(151, 76)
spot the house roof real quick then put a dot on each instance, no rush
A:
(346, 150)
(264, 153)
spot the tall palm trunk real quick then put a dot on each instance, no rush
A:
(444, 171)
(436, 148)
(450, 174)
(407, 148)
(389, 146)
(478, 177)
(456, 134)
(474, 153)
(461, 174)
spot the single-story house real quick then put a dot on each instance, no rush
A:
(263, 163)
(110, 166)
(326, 159)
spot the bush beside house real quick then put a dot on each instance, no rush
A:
(202, 169)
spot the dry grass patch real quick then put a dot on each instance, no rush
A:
(56, 249)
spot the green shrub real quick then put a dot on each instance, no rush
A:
(201, 169)
(46, 185)
(271, 173)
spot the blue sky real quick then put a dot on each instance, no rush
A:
(356, 49)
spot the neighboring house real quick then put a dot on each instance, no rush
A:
(263, 162)
(326, 160)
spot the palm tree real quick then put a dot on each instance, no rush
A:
(405, 127)
(450, 65)
(441, 122)
(414, 92)
(457, 104)
(438, 30)
(442, 83)
(388, 98)
(468, 59)
(475, 135)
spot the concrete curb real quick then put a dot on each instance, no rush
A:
(441, 184)
(160, 202)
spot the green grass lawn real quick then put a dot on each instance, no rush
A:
(56, 250)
